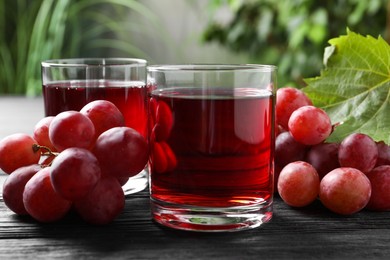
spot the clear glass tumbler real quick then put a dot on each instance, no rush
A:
(212, 145)
(69, 84)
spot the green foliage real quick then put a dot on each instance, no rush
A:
(36, 30)
(354, 87)
(291, 34)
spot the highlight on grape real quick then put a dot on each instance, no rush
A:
(353, 174)
(77, 160)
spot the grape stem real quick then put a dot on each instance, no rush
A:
(336, 125)
(46, 151)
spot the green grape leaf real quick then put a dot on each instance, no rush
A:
(354, 86)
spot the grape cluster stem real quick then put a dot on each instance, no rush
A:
(45, 151)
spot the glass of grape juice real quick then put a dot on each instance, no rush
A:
(212, 145)
(69, 84)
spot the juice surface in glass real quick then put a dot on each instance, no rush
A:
(128, 96)
(213, 148)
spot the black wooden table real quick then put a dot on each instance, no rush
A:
(309, 233)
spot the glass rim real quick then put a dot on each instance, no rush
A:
(211, 67)
(94, 62)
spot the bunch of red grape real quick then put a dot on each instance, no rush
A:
(77, 160)
(347, 176)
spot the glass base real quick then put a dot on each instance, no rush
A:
(136, 183)
(205, 219)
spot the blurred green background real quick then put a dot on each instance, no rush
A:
(289, 34)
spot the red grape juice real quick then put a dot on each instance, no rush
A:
(129, 97)
(212, 149)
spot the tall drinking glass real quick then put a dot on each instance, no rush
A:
(212, 145)
(69, 84)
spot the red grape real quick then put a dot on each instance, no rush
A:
(123, 180)
(121, 151)
(74, 172)
(358, 151)
(162, 158)
(287, 149)
(277, 170)
(345, 190)
(104, 115)
(13, 187)
(380, 184)
(279, 129)
(103, 203)
(71, 129)
(170, 155)
(289, 99)
(16, 151)
(383, 154)
(41, 132)
(164, 121)
(159, 161)
(40, 199)
(298, 184)
(309, 125)
(324, 157)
